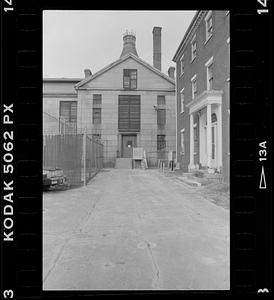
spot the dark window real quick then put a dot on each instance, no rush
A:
(97, 99)
(129, 113)
(161, 100)
(130, 79)
(96, 118)
(161, 142)
(161, 118)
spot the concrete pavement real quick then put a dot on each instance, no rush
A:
(135, 230)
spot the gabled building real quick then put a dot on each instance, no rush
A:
(127, 104)
(202, 94)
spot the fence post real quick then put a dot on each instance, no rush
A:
(84, 154)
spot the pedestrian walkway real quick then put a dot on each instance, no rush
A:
(134, 230)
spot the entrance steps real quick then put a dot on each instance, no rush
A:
(123, 163)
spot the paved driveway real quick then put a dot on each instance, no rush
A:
(137, 230)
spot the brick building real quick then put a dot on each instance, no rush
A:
(202, 93)
(129, 103)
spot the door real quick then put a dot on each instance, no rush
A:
(214, 145)
(128, 142)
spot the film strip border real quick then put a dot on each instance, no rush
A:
(21, 205)
(250, 151)
(250, 126)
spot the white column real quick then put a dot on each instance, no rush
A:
(219, 134)
(191, 143)
(208, 135)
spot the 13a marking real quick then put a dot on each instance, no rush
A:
(262, 157)
(263, 4)
(262, 152)
(9, 2)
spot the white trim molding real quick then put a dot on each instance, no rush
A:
(204, 99)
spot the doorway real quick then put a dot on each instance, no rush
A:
(128, 142)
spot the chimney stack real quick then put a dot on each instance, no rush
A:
(157, 48)
(129, 39)
(171, 72)
(87, 73)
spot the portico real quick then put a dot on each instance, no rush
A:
(208, 107)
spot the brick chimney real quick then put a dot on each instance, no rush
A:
(87, 73)
(157, 48)
(171, 72)
(129, 39)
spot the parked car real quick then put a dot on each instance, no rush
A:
(53, 177)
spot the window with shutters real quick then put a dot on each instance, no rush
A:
(129, 113)
(130, 79)
(161, 118)
(161, 142)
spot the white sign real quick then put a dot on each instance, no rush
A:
(138, 153)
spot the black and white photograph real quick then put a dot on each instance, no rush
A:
(136, 150)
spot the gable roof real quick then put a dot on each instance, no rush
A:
(117, 62)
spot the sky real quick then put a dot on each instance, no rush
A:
(78, 40)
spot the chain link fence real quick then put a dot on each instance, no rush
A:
(79, 155)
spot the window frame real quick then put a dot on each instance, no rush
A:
(93, 115)
(208, 16)
(182, 145)
(194, 79)
(193, 40)
(182, 65)
(159, 97)
(182, 98)
(207, 65)
(96, 98)
(130, 79)
(161, 141)
(68, 102)
(161, 125)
